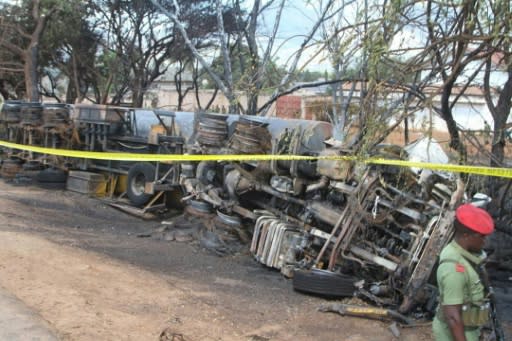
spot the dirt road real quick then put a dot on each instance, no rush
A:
(84, 268)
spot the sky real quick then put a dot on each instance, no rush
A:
(296, 21)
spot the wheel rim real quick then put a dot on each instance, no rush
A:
(138, 184)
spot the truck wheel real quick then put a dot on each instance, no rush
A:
(138, 175)
(323, 282)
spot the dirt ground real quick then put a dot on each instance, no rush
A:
(95, 273)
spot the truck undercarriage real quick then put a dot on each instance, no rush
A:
(336, 227)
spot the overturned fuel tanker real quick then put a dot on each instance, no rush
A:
(336, 227)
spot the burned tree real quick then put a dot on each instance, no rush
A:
(21, 36)
(244, 35)
(142, 44)
(463, 42)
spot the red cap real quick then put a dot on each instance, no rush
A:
(475, 219)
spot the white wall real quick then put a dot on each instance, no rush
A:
(169, 99)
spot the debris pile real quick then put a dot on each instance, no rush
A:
(336, 227)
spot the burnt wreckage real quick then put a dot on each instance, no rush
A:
(335, 226)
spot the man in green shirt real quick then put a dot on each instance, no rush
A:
(462, 305)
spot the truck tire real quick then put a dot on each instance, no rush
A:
(10, 167)
(52, 178)
(324, 283)
(52, 175)
(138, 175)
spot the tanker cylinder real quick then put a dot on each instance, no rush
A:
(334, 169)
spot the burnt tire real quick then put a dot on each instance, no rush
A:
(138, 175)
(52, 175)
(52, 178)
(324, 283)
(32, 166)
(10, 167)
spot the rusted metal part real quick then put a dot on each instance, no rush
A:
(197, 190)
(332, 236)
(441, 233)
(335, 169)
(323, 183)
(324, 211)
(11, 112)
(283, 216)
(201, 206)
(366, 255)
(250, 137)
(276, 243)
(55, 114)
(212, 130)
(10, 168)
(269, 190)
(230, 220)
(31, 114)
(367, 312)
(350, 226)
(197, 212)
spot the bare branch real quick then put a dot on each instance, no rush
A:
(270, 46)
(7, 69)
(298, 55)
(192, 48)
(295, 88)
(228, 74)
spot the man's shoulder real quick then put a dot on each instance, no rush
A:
(450, 254)
(451, 261)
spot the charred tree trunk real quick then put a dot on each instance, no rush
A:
(252, 105)
(138, 93)
(446, 113)
(31, 74)
(31, 54)
(500, 116)
(3, 90)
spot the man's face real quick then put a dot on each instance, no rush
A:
(476, 242)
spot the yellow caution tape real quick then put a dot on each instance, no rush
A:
(478, 170)
(123, 156)
(119, 156)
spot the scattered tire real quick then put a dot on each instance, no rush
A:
(324, 283)
(10, 167)
(13, 160)
(138, 175)
(32, 166)
(52, 175)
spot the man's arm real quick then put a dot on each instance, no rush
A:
(453, 317)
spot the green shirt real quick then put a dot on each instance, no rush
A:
(458, 283)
